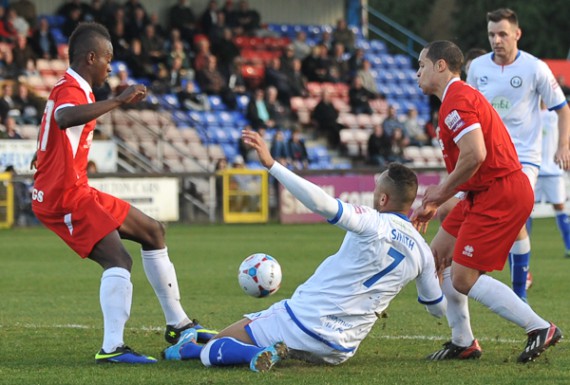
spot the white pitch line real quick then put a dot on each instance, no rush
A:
(382, 337)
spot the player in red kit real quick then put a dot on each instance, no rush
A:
(482, 162)
(91, 222)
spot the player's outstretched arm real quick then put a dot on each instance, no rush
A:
(84, 113)
(309, 194)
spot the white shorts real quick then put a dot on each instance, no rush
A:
(550, 189)
(532, 173)
(275, 324)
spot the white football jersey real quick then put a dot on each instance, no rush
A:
(514, 91)
(549, 121)
(380, 254)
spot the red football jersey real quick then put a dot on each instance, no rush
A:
(463, 110)
(62, 156)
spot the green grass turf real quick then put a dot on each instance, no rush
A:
(51, 323)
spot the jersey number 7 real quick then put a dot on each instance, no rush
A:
(398, 258)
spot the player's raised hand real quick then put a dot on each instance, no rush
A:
(253, 139)
(421, 216)
(132, 94)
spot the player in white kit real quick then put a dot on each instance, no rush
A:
(551, 183)
(330, 314)
(514, 82)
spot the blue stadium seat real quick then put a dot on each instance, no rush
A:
(169, 101)
(242, 102)
(119, 65)
(403, 61)
(230, 150)
(58, 35)
(216, 103)
(180, 118)
(378, 46)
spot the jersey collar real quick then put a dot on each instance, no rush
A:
(82, 82)
(516, 57)
(447, 86)
(404, 217)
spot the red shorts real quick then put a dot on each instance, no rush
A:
(92, 219)
(487, 223)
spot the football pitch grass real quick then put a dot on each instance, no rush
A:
(51, 323)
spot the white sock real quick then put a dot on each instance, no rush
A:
(457, 312)
(162, 277)
(502, 300)
(115, 295)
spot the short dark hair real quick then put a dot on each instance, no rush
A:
(474, 53)
(404, 183)
(82, 40)
(447, 51)
(503, 14)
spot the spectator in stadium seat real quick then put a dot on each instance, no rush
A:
(248, 20)
(43, 42)
(340, 64)
(203, 52)
(29, 106)
(136, 24)
(355, 61)
(7, 31)
(327, 41)
(178, 52)
(153, 45)
(300, 47)
(209, 17)
(226, 51)
(120, 40)
(182, 17)
(71, 20)
(20, 25)
(319, 66)
(287, 58)
(11, 128)
(414, 129)
(7, 104)
(190, 100)
(212, 82)
(391, 121)
(431, 128)
(22, 52)
(216, 31)
(344, 35)
(279, 149)
(236, 81)
(228, 10)
(310, 65)
(359, 98)
(278, 113)
(27, 10)
(297, 80)
(257, 111)
(324, 117)
(276, 77)
(138, 62)
(297, 150)
(365, 75)
(379, 147)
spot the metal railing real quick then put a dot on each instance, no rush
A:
(393, 33)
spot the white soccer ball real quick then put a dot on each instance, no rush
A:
(259, 275)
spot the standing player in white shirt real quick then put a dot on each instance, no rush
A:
(551, 183)
(330, 314)
(514, 81)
